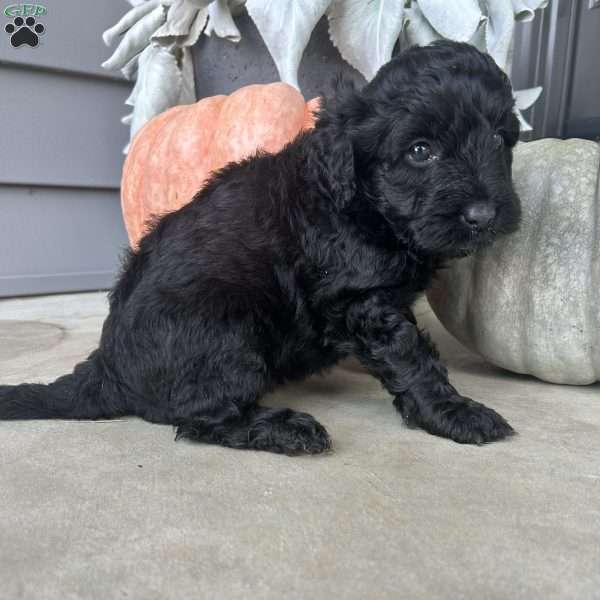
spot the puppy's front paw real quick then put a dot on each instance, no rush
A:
(468, 422)
(458, 418)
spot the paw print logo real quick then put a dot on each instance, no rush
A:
(24, 31)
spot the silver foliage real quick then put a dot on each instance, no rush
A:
(155, 36)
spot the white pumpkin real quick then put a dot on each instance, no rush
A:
(531, 302)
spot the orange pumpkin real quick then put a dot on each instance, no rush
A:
(172, 156)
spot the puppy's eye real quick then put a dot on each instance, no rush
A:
(498, 140)
(420, 153)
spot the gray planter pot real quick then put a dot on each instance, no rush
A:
(222, 67)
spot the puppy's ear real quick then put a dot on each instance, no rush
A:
(336, 147)
(352, 112)
(330, 163)
(345, 107)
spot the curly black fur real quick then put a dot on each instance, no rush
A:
(285, 263)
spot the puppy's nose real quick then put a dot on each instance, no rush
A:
(479, 215)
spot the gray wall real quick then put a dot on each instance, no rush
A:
(60, 153)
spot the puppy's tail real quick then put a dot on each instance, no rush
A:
(78, 395)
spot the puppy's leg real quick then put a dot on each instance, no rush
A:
(219, 406)
(389, 343)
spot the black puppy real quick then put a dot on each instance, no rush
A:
(285, 263)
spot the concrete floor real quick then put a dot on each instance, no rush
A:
(117, 510)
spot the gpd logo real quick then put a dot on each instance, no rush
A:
(24, 28)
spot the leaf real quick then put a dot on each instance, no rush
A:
(499, 30)
(196, 29)
(478, 39)
(187, 95)
(158, 85)
(180, 18)
(418, 30)
(365, 31)
(456, 20)
(165, 79)
(525, 9)
(129, 19)
(136, 39)
(524, 125)
(130, 69)
(165, 75)
(286, 26)
(220, 22)
(525, 99)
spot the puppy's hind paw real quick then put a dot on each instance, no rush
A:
(279, 430)
(290, 433)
